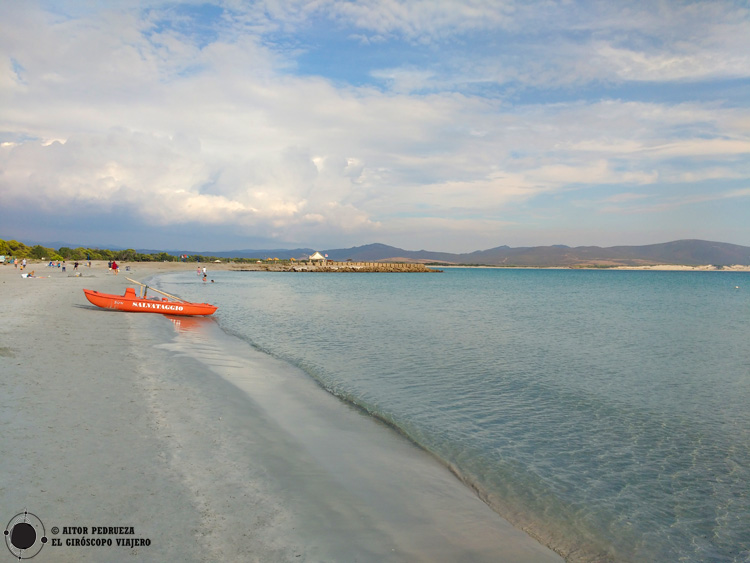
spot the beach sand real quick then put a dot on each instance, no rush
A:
(175, 433)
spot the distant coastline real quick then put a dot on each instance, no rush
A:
(676, 268)
(383, 267)
(656, 268)
(677, 255)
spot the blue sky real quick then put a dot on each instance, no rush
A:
(439, 124)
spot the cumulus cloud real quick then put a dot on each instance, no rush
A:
(185, 114)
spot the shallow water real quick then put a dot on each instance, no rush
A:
(603, 411)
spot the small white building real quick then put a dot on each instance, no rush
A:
(317, 258)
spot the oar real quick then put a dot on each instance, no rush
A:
(157, 291)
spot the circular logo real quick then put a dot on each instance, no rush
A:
(24, 535)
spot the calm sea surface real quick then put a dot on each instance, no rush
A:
(607, 412)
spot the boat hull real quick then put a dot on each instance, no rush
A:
(133, 304)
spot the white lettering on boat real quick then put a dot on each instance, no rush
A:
(159, 306)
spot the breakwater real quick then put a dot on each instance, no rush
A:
(331, 266)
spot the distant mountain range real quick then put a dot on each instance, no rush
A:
(683, 252)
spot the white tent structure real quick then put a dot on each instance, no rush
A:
(317, 257)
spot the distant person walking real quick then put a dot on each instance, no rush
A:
(23, 263)
(115, 267)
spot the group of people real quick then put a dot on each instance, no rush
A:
(57, 264)
(204, 272)
(113, 266)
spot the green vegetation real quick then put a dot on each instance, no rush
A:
(15, 249)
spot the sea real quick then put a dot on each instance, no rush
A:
(605, 412)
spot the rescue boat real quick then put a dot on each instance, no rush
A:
(132, 303)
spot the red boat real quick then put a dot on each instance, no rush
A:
(134, 304)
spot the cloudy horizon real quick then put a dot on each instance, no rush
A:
(448, 126)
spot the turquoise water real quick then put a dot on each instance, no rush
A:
(606, 412)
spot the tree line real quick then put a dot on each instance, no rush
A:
(16, 249)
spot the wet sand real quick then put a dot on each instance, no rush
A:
(171, 431)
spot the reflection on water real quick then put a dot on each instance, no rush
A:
(188, 324)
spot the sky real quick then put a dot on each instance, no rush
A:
(423, 124)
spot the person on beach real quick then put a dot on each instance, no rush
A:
(204, 277)
(15, 262)
(23, 263)
(115, 267)
(75, 266)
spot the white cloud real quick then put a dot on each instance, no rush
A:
(625, 197)
(671, 203)
(704, 147)
(117, 109)
(423, 20)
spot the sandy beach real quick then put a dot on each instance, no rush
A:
(173, 441)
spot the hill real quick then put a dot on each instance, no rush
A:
(681, 252)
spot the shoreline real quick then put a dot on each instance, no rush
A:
(153, 268)
(654, 268)
(207, 447)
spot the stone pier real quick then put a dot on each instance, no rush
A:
(331, 266)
